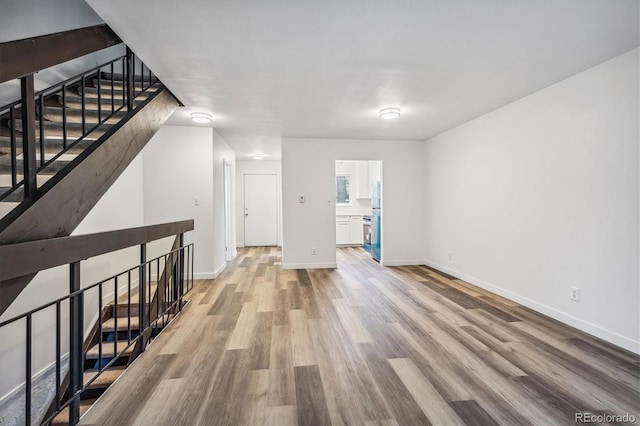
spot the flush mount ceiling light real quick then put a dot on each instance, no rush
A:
(389, 113)
(201, 117)
(257, 156)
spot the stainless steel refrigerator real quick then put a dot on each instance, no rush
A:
(376, 220)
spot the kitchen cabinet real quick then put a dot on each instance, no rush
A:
(349, 230)
(355, 230)
(363, 184)
(342, 230)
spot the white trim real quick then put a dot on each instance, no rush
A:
(402, 262)
(210, 275)
(596, 330)
(309, 266)
(220, 269)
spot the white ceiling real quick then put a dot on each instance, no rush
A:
(279, 68)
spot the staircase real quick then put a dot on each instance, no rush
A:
(60, 151)
(66, 124)
(112, 348)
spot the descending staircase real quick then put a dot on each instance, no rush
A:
(113, 341)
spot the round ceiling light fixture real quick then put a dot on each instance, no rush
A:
(201, 117)
(389, 113)
(257, 155)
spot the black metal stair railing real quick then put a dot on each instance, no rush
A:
(39, 132)
(158, 284)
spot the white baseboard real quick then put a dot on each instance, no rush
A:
(35, 378)
(402, 262)
(309, 266)
(587, 327)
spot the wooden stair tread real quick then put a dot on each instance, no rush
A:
(105, 379)
(108, 350)
(63, 416)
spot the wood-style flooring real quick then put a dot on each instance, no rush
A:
(364, 345)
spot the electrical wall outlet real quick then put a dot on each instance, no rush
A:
(314, 251)
(575, 294)
(450, 256)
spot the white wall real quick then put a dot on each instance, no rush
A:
(308, 168)
(253, 167)
(121, 207)
(542, 195)
(221, 153)
(180, 164)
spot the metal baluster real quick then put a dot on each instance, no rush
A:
(113, 100)
(28, 135)
(149, 294)
(58, 355)
(100, 327)
(115, 321)
(76, 334)
(141, 295)
(14, 154)
(167, 279)
(129, 306)
(181, 269)
(193, 248)
(99, 98)
(27, 384)
(64, 117)
(124, 80)
(84, 115)
(158, 291)
(129, 81)
(41, 122)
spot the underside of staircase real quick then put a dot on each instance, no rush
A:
(75, 179)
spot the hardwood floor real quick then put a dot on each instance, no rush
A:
(364, 345)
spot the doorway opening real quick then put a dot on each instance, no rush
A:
(358, 205)
(228, 248)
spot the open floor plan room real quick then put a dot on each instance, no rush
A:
(365, 344)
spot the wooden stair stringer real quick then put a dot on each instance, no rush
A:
(73, 195)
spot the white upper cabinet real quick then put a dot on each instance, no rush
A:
(363, 183)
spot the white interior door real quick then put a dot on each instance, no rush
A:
(260, 210)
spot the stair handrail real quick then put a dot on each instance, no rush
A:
(21, 259)
(136, 81)
(29, 55)
(173, 283)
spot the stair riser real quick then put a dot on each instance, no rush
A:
(74, 130)
(51, 146)
(121, 310)
(75, 116)
(55, 167)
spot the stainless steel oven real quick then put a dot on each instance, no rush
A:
(366, 232)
